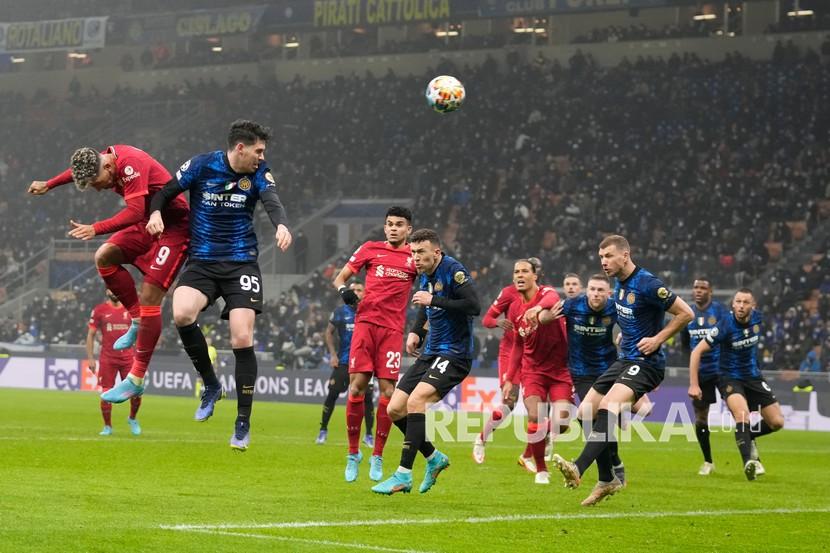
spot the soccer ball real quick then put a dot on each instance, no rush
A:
(445, 94)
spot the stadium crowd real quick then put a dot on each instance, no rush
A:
(719, 173)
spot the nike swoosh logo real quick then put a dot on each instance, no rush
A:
(154, 268)
(433, 377)
(381, 255)
(254, 300)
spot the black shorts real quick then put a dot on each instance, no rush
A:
(708, 388)
(339, 379)
(444, 373)
(582, 384)
(757, 392)
(637, 375)
(238, 283)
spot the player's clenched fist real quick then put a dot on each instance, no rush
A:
(155, 226)
(412, 343)
(38, 188)
(422, 298)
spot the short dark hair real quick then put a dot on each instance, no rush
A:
(400, 211)
(745, 290)
(425, 235)
(533, 266)
(602, 277)
(572, 275)
(247, 132)
(703, 279)
(615, 240)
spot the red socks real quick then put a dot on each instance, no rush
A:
(121, 283)
(148, 335)
(537, 447)
(106, 412)
(354, 418)
(495, 419)
(383, 424)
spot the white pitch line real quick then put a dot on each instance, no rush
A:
(307, 541)
(482, 520)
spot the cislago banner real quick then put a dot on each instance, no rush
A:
(171, 375)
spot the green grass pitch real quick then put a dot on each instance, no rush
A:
(63, 488)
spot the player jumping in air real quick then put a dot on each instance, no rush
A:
(641, 300)
(137, 177)
(707, 314)
(111, 320)
(540, 360)
(507, 302)
(224, 186)
(378, 331)
(741, 383)
(448, 302)
(341, 324)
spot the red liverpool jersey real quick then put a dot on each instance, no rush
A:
(112, 322)
(390, 273)
(507, 302)
(544, 348)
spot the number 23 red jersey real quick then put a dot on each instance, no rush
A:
(390, 273)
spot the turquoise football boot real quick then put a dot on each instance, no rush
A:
(127, 340)
(398, 482)
(435, 466)
(352, 461)
(123, 391)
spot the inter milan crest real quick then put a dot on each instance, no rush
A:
(245, 183)
(756, 329)
(712, 319)
(439, 286)
(631, 298)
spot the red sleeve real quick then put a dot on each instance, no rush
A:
(130, 215)
(359, 258)
(515, 370)
(93, 319)
(490, 319)
(134, 172)
(58, 180)
(549, 298)
(500, 305)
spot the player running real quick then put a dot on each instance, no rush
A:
(111, 320)
(506, 303)
(540, 359)
(224, 189)
(378, 332)
(341, 324)
(641, 300)
(137, 177)
(741, 382)
(707, 314)
(448, 302)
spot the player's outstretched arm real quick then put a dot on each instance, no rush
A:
(694, 369)
(547, 316)
(41, 187)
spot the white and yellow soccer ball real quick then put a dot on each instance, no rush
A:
(445, 94)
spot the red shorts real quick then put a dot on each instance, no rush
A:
(547, 387)
(158, 259)
(377, 350)
(108, 368)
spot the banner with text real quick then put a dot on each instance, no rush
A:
(57, 34)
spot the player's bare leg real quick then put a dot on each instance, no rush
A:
(408, 411)
(241, 322)
(188, 302)
(355, 410)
